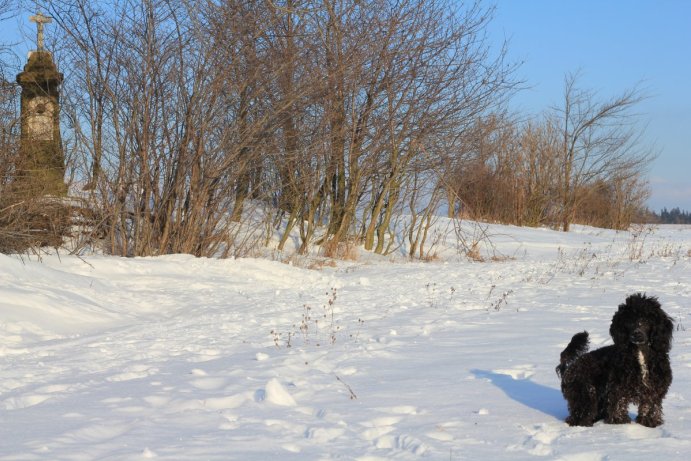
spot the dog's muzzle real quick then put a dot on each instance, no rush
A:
(638, 337)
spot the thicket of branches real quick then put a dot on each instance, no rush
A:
(331, 114)
(210, 127)
(583, 161)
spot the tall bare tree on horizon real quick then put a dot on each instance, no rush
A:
(599, 139)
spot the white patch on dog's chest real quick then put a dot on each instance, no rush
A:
(644, 367)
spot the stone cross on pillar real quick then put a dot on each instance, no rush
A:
(40, 20)
(41, 164)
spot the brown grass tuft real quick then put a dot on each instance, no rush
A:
(346, 250)
(474, 253)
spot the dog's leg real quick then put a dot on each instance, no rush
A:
(617, 410)
(582, 401)
(650, 414)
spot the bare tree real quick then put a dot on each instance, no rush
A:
(93, 37)
(145, 104)
(8, 9)
(537, 163)
(418, 71)
(599, 139)
(8, 100)
(13, 229)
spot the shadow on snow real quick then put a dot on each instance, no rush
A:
(526, 392)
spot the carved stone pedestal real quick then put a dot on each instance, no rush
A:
(41, 167)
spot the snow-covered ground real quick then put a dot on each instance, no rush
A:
(177, 358)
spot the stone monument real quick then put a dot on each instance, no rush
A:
(41, 167)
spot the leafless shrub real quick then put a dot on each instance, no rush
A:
(27, 224)
(315, 328)
(501, 301)
(474, 242)
(474, 252)
(636, 244)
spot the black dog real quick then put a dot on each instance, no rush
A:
(635, 369)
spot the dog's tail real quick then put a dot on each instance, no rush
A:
(578, 346)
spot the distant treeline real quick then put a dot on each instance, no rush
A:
(665, 216)
(673, 216)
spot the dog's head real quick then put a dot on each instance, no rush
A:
(640, 321)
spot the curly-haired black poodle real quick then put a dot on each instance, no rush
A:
(602, 383)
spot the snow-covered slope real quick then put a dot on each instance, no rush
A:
(177, 358)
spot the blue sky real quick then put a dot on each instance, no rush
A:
(616, 44)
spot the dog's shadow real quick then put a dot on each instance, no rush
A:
(524, 391)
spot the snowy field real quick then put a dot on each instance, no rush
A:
(177, 358)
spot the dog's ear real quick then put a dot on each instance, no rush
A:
(617, 329)
(661, 332)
